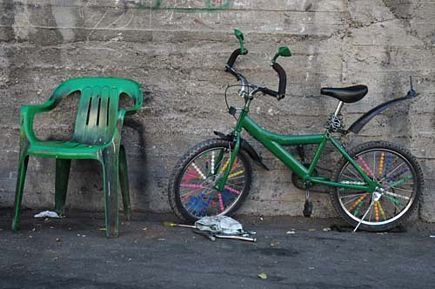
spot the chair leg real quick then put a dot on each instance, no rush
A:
(123, 179)
(61, 184)
(110, 167)
(22, 169)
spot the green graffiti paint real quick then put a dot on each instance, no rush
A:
(204, 6)
(217, 4)
(157, 4)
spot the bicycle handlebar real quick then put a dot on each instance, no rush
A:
(234, 56)
(280, 94)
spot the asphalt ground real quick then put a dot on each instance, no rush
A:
(290, 252)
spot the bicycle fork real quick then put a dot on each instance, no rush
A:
(222, 180)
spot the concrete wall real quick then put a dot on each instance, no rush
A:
(177, 49)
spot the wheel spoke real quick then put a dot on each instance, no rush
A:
(355, 174)
(381, 164)
(199, 171)
(366, 168)
(351, 200)
(390, 173)
(397, 195)
(374, 165)
(404, 190)
(232, 190)
(236, 174)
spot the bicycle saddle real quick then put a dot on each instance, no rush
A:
(346, 94)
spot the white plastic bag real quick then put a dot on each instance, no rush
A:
(47, 214)
(220, 225)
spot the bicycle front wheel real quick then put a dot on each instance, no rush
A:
(401, 180)
(192, 188)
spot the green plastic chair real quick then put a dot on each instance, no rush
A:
(97, 135)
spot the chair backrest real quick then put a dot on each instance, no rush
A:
(97, 113)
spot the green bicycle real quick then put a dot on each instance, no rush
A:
(377, 185)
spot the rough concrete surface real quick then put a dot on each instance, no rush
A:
(177, 50)
(292, 252)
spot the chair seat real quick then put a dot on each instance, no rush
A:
(346, 94)
(64, 149)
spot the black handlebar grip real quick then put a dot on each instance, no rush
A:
(282, 80)
(233, 57)
(269, 92)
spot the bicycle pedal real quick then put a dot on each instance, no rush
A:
(308, 209)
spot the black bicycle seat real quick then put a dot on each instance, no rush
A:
(346, 94)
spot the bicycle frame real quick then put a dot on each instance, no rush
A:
(275, 143)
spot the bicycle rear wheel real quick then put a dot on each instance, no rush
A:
(192, 193)
(401, 179)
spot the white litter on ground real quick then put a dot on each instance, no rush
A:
(220, 224)
(47, 214)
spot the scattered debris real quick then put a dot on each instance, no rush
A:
(47, 214)
(172, 224)
(274, 243)
(231, 237)
(262, 276)
(222, 227)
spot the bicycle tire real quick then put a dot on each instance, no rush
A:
(207, 201)
(388, 161)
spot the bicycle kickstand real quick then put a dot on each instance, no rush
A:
(365, 215)
(308, 206)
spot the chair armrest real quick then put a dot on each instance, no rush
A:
(134, 109)
(27, 114)
(137, 104)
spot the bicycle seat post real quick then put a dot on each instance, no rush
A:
(335, 121)
(338, 109)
